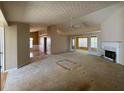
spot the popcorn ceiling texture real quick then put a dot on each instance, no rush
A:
(50, 12)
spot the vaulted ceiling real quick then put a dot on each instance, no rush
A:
(51, 12)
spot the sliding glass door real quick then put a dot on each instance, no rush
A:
(2, 62)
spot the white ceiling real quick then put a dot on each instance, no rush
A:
(51, 12)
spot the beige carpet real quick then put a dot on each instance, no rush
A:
(94, 73)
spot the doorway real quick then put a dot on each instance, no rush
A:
(42, 50)
(45, 44)
(2, 61)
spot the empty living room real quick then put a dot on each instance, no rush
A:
(62, 45)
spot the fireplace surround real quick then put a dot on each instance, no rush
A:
(111, 51)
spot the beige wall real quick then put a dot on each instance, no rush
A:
(35, 36)
(112, 27)
(59, 43)
(11, 46)
(23, 44)
(113, 30)
(122, 45)
(17, 45)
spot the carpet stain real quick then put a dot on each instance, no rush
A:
(85, 87)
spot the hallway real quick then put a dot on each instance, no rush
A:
(39, 46)
(36, 55)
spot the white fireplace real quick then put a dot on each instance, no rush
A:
(112, 47)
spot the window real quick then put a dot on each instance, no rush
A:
(93, 42)
(31, 42)
(82, 42)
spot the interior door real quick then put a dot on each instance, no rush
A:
(2, 49)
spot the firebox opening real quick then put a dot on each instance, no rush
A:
(110, 54)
